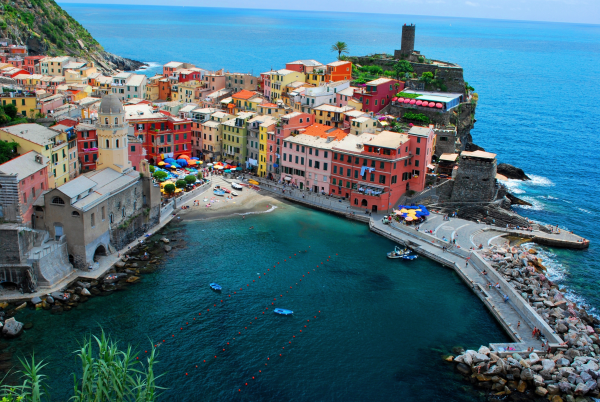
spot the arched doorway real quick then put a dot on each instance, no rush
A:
(374, 208)
(364, 203)
(71, 259)
(100, 252)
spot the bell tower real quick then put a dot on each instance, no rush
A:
(112, 136)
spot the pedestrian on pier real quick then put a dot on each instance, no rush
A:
(518, 324)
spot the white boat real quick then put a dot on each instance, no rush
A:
(234, 193)
(236, 186)
(398, 253)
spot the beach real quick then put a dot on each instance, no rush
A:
(248, 201)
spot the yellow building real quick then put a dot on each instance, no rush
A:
(317, 76)
(185, 92)
(280, 79)
(271, 109)
(28, 81)
(53, 145)
(73, 77)
(355, 103)
(268, 125)
(26, 103)
(330, 115)
(212, 135)
(246, 101)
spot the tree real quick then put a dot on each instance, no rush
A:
(11, 110)
(200, 175)
(180, 183)
(402, 67)
(340, 47)
(160, 175)
(152, 169)
(426, 77)
(190, 179)
(169, 188)
(107, 374)
(7, 150)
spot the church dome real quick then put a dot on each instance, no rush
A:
(110, 105)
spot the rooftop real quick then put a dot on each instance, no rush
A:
(448, 158)
(308, 63)
(244, 94)
(314, 141)
(323, 131)
(32, 132)
(24, 166)
(173, 64)
(478, 155)
(380, 81)
(330, 108)
(338, 63)
(420, 131)
(388, 139)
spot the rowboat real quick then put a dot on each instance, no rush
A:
(215, 286)
(236, 186)
(253, 182)
(234, 193)
(219, 192)
(398, 253)
(283, 311)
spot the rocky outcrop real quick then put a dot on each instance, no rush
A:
(515, 200)
(12, 328)
(470, 146)
(512, 172)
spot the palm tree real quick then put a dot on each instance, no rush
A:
(340, 47)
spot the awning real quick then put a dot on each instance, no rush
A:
(229, 161)
(430, 166)
(288, 178)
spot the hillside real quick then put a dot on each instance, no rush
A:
(47, 29)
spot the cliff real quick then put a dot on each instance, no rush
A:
(47, 29)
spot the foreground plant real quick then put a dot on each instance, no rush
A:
(108, 375)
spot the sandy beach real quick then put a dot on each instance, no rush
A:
(248, 201)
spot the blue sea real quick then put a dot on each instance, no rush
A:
(384, 325)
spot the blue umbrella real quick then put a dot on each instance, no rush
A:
(170, 160)
(182, 162)
(195, 158)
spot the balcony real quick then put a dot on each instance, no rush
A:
(111, 126)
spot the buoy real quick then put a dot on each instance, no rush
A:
(228, 343)
(199, 313)
(196, 366)
(253, 378)
(283, 347)
(137, 358)
(290, 341)
(253, 280)
(294, 253)
(204, 361)
(207, 310)
(185, 373)
(173, 336)
(223, 350)
(294, 336)
(215, 357)
(260, 371)
(268, 358)
(335, 253)
(280, 354)
(182, 328)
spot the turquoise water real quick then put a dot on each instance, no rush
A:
(380, 330)
(537, 84)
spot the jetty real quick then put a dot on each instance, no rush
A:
(434, 239)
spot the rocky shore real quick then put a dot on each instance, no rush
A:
(569, 371)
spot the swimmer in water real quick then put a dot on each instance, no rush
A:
(251, 227)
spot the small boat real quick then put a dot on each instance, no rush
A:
(409, 257)
(219, 192)
(226, 190)
(398, 253)
(236, 186)
(215, 286)
(283, 311)
(234, 194)
(253, 182)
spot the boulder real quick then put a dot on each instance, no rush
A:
(165, 240)
(581, 389)
(585, 376)
(512, 172)
(168, 248)
(541, 391)
(533, 358)
(553, 389)
(538, 380)
(564, 387)
(590, 366)
(463, 369)
(524, 363)
(572, 353)
(133, 279)
(546, 374)
(12, 328)
(484, 350)
(495, 369)
(84, 285)
(556, 398)
(526, 374)
(119, 264)
(3, 305)
(480, 358)
(561, 329)
(548, 364)
(36, 300)
(85, 292)
(522, 386)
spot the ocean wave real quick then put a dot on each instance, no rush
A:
(273, 208)
(539, 181)
(584, 210)
(536, 205)
(150, 65)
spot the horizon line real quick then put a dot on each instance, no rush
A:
(77, 2)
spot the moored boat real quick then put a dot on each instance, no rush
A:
(219, 192)
(236, 186)
(234, 194)
(283, 311)
(215, 286)
(409, 257)
(398, 253)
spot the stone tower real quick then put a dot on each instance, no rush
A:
(408, 39)
(112, 136)
(475, 179)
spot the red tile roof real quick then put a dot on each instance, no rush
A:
(244, 94)
(320, 130)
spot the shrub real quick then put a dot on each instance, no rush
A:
(407, 95)
(200, 175)
(152, 169)
(160, 175)
(180, 183)
(420, 117)
(11, 110)
(190, 179)
(426, 77)
(421, 59)
(169, 188)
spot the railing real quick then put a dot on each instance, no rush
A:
(110, 126)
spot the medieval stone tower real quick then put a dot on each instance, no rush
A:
(112, 136)
(475, 179)
(408, 39)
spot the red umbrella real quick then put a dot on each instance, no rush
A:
(425, 103)
(438, 105)
(419, 103)
(407, 100)
(394, 99)
(431, 104)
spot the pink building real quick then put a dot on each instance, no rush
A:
(290, 124)
(266, 84)
(343, 96)
(136, 151)
(303, 66)
(378, 93)
(50, 103)
(22, 181)
(306, 159)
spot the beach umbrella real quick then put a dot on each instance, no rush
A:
(227, 171)
(175, 166)
(431, 104)
(425, 103)
(419, 103)
(438, 105)
(412, 101)
(195, 158)
(407, 100)
(209, 164)
(182, 162)
(170, 160)
(400, 99)
(394, 99)
(161, 163)
(167, 165)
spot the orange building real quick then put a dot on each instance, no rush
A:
(339, 71)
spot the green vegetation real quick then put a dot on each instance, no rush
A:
(421, 59)
(160, 175)
(152, 169)
(407, 95)
(108, 374)
(8, 150)
(340, 47)
(169, 188)
(190, 179)
(402, 67)
(468, 87)
(426, 77)
(180, 183)
(57, 32)
(418, 117)
(200, 175)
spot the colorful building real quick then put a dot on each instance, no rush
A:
(303, 66)
(266, 130)
(306, 157)
(25, 102)
(238, 82)
(246, 101)
(289, 124)
(281, 78)
(49, 143)
(378, 93)
(339, 71)
(32, 64)
(212, 137)
(331, 115)
(87, 146)
(235, 137)
(22, 180)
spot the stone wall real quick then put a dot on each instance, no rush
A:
(121, 236)
(53, 267)
(474, 181)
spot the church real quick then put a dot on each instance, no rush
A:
(103, 210)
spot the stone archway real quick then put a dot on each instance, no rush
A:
(364, 203)
(100, 252)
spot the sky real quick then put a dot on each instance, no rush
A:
(572, 11)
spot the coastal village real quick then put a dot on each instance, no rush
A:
(96, 162)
